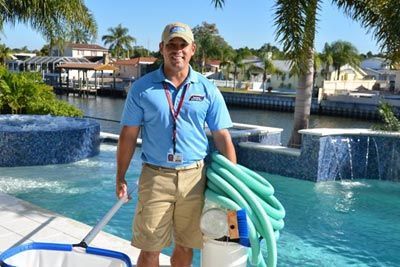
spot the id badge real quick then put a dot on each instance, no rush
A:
(175, 158)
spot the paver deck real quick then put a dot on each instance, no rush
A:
(22, 222)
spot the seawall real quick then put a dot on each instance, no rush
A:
(280, 102)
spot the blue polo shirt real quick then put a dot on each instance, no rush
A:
(147, 106)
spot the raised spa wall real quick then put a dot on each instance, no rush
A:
(27, 140)
(326, 154)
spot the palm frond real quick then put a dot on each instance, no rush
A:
(218, 3)
(50, 17)
(295, 22)
(382, 18)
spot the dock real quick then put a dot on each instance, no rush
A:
(22, 222)
(95, 91)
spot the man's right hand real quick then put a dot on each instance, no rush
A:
(121, 188)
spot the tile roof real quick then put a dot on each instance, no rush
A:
(87, 66)
(87, 46)
(82, 66)
(48, 60)
(136, 60)
(213, 62)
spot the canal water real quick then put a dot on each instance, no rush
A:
(111, 109)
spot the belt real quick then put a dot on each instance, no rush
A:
(194, 165)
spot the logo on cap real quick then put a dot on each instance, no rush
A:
(177, 29)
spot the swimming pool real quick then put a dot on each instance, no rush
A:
(350, 223)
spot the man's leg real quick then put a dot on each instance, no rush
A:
(148, 259)
(181, 257)
(188, 208)
(152, 229)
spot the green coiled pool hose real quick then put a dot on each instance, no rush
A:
(235, 187)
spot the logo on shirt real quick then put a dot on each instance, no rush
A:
(196, 98)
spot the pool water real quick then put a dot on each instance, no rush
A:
(348, 223)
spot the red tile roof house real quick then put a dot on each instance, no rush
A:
(213, 65)
(133, 68)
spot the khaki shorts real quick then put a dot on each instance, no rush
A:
(170, 203)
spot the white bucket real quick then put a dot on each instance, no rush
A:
(223, 254)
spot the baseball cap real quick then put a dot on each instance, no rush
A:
(177, 29)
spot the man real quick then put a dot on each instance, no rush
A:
(171, 106)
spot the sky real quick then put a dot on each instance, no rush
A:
(241, 23)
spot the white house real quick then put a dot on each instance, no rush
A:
(347, 73)
(350, 78)
(380, 69)
(16, 63)
(285, 79)
(88, 51)
(282, 80)
(375, 63)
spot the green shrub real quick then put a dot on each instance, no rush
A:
(389, 120)
(25, 93)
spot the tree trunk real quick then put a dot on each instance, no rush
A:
(264, 81)
(303, 103)
(234, 78)
(203, 62)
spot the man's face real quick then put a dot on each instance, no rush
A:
(177, 53)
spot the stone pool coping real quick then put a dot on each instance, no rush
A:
(344, 131)
(22, 222)
(113, 138)
(239, 130)
(271, 148)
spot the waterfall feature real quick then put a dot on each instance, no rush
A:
(359, 157)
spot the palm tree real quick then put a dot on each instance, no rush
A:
(119, 40)
(267, 68)
(209, 43)
(344, 53)
(317, 65)
(327, 60)
(44, 51)
(59, 43)
(338, 54)
(53, 18)
(5, 53)
(79, 36)
(226, 55)
(237, 64)
(296, 22)
(23, 49)
(139, 51)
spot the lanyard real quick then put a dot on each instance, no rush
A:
(174, 113)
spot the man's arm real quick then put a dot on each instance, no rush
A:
(223, 143)
(126, 148)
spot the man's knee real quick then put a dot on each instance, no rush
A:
(182, 256)
(183, 249)
(152, 254)
(148, 258)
